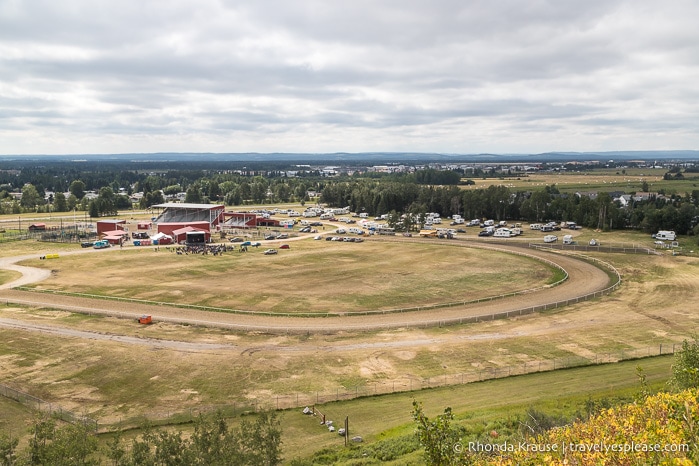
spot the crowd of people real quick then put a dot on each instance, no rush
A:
(203, 249)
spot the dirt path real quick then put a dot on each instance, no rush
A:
(584, 279)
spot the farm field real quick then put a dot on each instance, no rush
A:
(596, 180)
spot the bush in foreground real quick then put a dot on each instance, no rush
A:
(662, 429)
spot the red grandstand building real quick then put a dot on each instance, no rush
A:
(176, 219)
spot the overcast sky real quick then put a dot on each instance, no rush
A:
(452, 76)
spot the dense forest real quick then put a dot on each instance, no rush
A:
(413, 193)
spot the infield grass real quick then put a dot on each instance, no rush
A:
(312, 276)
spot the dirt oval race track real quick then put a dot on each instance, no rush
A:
(584, 280)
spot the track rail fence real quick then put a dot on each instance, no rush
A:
(374, 326)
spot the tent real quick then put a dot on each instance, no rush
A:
(161, 238)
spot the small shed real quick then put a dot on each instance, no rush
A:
(114, 236)
(37, 227)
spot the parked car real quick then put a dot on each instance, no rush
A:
(236, 240)
(282, 236)
(485, 233)
(594, 242)
(305, 230)
(269, 237)
(87, 244)
(284, 246)
(270, 252)
(317, 237)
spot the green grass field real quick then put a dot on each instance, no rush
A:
(476, 404)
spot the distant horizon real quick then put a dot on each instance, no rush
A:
(375, 157)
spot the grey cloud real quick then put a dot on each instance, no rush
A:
(166, 68)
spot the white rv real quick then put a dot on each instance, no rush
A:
(668, 235)
(502, 233)
(550, 238)
(568, 239)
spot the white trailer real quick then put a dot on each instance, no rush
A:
(668, 235)
(502, 233)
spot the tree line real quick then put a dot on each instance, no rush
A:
(415, 193)
(213, 442)
(678, 213)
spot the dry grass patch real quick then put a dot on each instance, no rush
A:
(7, 276)
(310, 277)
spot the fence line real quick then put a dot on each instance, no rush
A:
(407, 384)
(327, 314)
(384, 387)
(44, 406)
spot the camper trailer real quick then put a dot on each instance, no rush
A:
(502, 233)
(568, 239)
(668, 235)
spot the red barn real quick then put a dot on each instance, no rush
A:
(104, 226)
